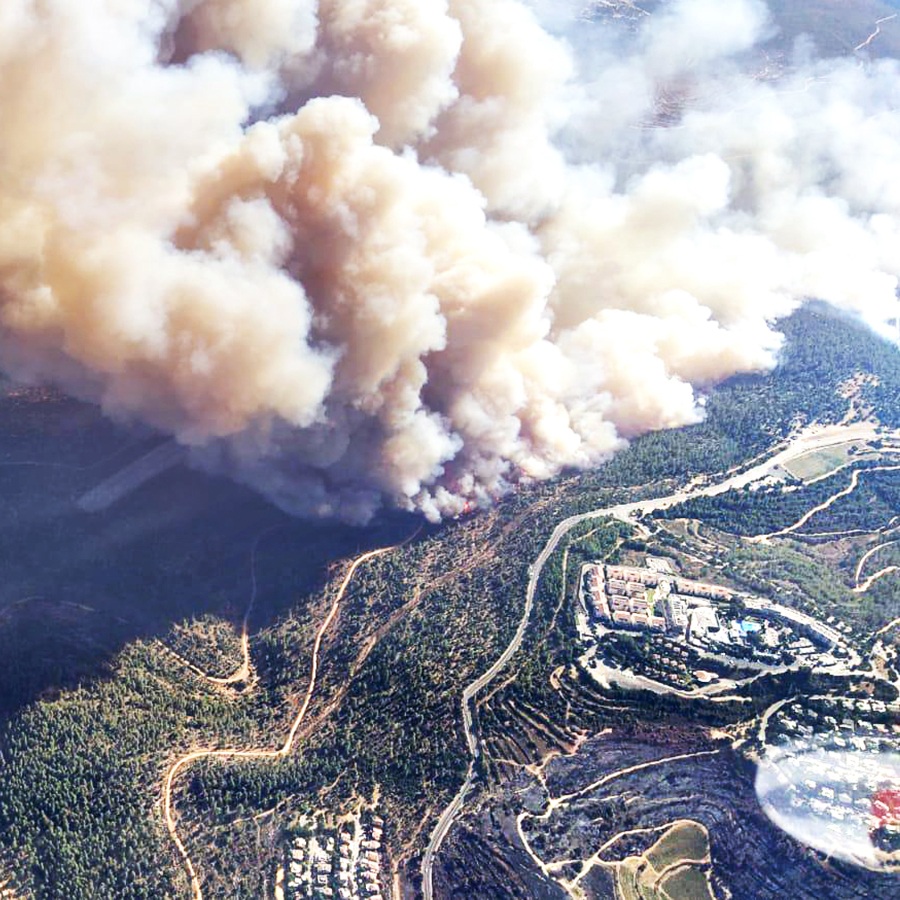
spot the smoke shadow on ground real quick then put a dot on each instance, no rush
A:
(79, 585)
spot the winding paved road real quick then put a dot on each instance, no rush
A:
(469, 694)
(812, 438)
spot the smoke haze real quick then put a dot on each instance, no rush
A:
(415, 251)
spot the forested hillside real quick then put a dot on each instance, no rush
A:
(80, 776)
(746, 414)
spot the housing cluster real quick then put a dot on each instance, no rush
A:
(697, 631)
(345, 861)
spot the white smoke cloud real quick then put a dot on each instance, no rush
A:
(413, 251)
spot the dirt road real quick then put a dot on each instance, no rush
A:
(184, 762)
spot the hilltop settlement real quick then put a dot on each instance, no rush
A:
(682, 633)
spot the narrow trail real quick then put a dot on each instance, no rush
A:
(244, 673)
(861, 587)
(570, 886)
(554, 803)
(237, 753)
(892, 624)
(887, 570)
(596, 860)
(767, 715)
(41, 464)
(875, 33)
(867, 555)
(844, 492)
(469, 693)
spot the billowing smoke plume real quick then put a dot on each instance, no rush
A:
(413, 251)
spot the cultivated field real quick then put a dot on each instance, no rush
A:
(818, 463)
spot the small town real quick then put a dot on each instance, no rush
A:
(693, 619)
(345, 861)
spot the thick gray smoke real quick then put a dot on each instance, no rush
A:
(414, 251)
